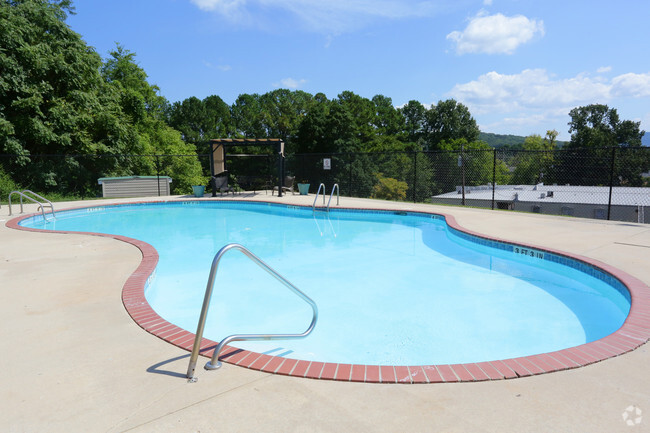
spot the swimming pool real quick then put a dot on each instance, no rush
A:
(384, 283)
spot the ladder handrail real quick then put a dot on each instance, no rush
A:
(336, 186)
(214, 363)
(322, 185)
(41, 206)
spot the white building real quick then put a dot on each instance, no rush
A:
(627, 203)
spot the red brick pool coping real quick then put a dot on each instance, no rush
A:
(634, 332)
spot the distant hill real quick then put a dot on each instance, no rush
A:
(645, 140)
(508, 141)
(501, 140)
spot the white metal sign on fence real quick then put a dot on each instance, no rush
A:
(327, 163)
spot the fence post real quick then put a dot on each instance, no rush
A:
(611, 183)
(158, 173)
(415, 175)
(350, 174)
(462, 169)
(494, 174)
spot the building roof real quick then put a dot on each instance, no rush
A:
(541, 193)
(102, 179)
(245, 141)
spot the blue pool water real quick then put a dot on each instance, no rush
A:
(390, 288)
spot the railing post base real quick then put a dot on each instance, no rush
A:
(210, 366)
(190, 369)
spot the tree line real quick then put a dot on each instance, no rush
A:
(315, 124)
(59, 97)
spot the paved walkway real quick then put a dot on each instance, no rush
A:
(73, 360)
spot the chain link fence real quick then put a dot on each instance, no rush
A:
(607, 183)
(77, 176)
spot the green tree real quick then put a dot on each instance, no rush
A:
(449, 120)
(414, 114)
(596, 130)
(218, 118)
(535, 162)
(474, 161)
(388, 120)
(247, 117)
(53, 100)
(351, 123)
(201, 120)
(422, 172)
(389, 143)
(146, 109)
(313, 135)
(333, 126)
(630, 163)
(403, 164)
(282, 112)
(370, 136)
(364, 169)
(190, 118)
(342, 133)
(598, 125)
(353, 117)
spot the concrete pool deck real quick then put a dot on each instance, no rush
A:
(73, 360)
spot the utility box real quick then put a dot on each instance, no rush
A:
(135, 186)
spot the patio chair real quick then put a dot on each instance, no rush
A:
(288, 185)
(220, 183)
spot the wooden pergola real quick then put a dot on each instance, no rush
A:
(218, 154)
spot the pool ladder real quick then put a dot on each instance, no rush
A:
(41, 204)
(327, 208)
(214, 363)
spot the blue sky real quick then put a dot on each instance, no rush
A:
(519, 65)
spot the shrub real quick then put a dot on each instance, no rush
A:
(6, 185)
(388, 188)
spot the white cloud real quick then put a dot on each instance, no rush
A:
(645, 123)
(487, 2)
(635, 85)
(532, 88)
(290, 83)
(330, 16)
(229, 8)
(495, 34)
(529, 121)
(535, 98)
(223, 68)
(604, 69)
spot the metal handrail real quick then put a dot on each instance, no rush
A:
(41, 205)
(336, 186)
(322, 185)
(214, 363)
